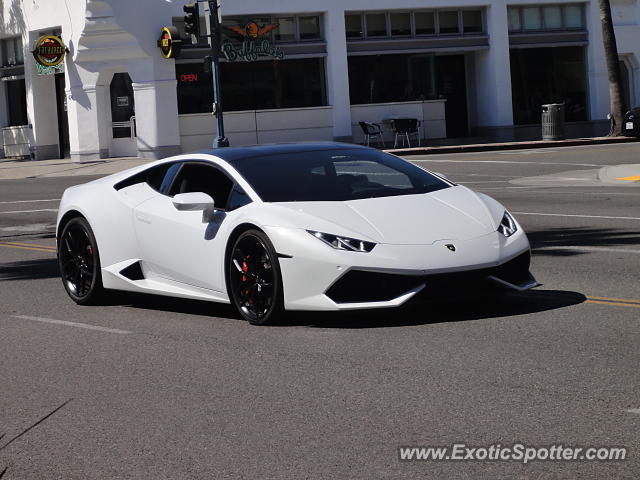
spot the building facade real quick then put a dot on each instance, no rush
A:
(298, 70)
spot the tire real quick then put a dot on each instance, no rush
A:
(79, 262)
(254, 279)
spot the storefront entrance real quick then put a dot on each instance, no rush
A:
(124, 142)
(63, 119)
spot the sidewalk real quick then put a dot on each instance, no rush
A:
(18, 169)
(534, 144)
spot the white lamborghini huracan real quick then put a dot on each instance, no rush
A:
(321, 226)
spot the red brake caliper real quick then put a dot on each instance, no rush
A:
(245, 269)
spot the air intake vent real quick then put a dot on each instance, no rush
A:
(133, 272)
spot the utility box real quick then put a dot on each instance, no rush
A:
(631, 123)
(553, 121)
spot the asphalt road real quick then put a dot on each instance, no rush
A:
(164, 388)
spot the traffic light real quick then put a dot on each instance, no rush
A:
(192, 20)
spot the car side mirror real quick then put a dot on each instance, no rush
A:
(193, 201)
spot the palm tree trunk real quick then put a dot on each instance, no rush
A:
(613, 66)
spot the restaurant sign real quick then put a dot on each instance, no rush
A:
(253, 44)
(49, 53)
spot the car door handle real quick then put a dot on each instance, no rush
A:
(143, 218)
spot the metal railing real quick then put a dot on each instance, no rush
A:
(131, 124)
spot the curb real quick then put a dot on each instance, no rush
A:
(487, 147)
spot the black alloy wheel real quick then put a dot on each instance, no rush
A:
(254, 278)
(79, 262)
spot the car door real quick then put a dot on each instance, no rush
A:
(183, 246)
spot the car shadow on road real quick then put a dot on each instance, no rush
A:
(558, 241)
(29, 269)
(509, 305)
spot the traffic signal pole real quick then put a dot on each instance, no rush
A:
(215, 36)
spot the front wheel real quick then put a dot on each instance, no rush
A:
(255, 281)
(79, 262)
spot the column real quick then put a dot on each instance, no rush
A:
(42, 110)
(157, 123)
(493, 75)
(84, 124)
(338, 74)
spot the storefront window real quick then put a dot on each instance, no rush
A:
(353, 25)
(548, 75)
(376, 25)
(400, 24)
(258, 85)
(425, 23)
(573, 17)
(286, 30)
(531, 18)
(17, 103)
(11, 52)
(514, 19)
(547, 18)
(448, 22)
(552, 17)
(472, 21)
(309, 28)
(369, 80)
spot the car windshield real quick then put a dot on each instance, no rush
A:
(334, 175)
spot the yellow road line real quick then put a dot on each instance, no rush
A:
(615, 304)
(635, 178)
(623, 300)
(28, 248)
(34, 245)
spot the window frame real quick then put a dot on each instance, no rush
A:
(543, 27)
(435, 12)
(185, 163)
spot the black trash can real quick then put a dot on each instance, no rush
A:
(553, 121)
(631, 123)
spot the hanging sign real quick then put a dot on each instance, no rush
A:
(50, 51)
(170, 43)
(252, 45)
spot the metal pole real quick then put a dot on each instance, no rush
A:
(216, 37)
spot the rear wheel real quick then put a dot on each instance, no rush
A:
(79, 262)
(255, 281)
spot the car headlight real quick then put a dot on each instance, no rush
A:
(508, 225)
(343, 243)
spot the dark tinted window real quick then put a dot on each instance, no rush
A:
(17, 103)
(334, 175)
(154, 177)
(198, 177)
(294, 83)
(238, 198)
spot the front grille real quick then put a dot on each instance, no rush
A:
(358, 286)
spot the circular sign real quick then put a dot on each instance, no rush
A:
(170, 42)
(50, 51)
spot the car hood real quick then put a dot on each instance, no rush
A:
(454, 213)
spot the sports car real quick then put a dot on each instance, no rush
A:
(317, 226)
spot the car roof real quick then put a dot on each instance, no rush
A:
(234, 154)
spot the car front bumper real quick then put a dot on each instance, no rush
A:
(318, 277)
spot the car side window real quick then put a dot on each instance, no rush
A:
(152, 176)
(168, 177)
(199, 177)
(238, 198)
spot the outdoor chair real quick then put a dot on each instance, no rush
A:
(372, 130)
(405, 128)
